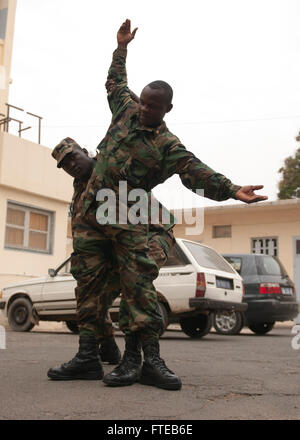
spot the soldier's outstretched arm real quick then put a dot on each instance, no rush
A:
(119, 95)
(196, 175)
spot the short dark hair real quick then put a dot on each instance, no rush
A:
(168, 91)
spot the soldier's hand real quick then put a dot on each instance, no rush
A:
(124, 35)
(246, 194)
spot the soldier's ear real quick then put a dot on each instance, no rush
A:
(169, 108)
(85, 151)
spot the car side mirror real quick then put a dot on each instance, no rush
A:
(51, 272)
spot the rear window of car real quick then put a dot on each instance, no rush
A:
(236, 262)
(177, 257)
(267, 265)
(207, 257)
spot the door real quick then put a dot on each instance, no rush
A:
(58, 296)
(296, 251)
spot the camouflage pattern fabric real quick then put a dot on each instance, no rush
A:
(96, 268)
(65, 147)
(160, 245)
(145, 156)
(97, 249)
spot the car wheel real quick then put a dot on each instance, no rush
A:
(20, 316)
(196, 326)
(165, 317)
(228, 323)
(261, 328)
(72, 326)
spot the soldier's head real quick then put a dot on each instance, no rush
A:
(73, 159)
(155, 102)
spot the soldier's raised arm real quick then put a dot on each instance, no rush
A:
(110, 84)
(118, 94)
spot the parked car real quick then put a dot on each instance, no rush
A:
(195, 282)
(269, 293)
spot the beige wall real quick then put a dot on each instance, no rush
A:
(6, 52)
(280, 219)
(30, 167)
(28, 175)
(69, 248)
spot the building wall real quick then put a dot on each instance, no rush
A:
(29, 176)
(69, 248)
(30, 167)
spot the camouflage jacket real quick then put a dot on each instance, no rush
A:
(145, 157)
(158, 210)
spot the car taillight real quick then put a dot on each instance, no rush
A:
(201, 285)
(269, 288)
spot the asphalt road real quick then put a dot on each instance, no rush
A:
(224, 377)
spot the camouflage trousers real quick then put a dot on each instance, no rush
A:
(108, 260)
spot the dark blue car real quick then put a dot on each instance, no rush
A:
(269, 293)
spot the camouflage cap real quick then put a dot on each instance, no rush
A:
(66, 146)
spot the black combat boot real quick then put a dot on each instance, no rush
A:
(85, 365)
(128, 371)
(154, 370)
(109, 351)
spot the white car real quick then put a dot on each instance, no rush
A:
(195, 282)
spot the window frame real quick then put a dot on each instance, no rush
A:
(27, 209)
(214, 229)
(264, 248)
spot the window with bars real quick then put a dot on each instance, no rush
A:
(222, 231)
(28, 228)
(264, 245)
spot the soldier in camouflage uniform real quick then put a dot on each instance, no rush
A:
(139, 149)
(76, 162)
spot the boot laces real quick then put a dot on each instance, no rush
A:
(71, 362)
(128, 360)
(160, 364)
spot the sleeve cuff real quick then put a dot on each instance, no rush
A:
(121, 51)
(233, 190)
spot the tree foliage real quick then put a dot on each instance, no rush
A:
(289, 185)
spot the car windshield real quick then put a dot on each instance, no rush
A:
(267, 265)
(207, 257)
